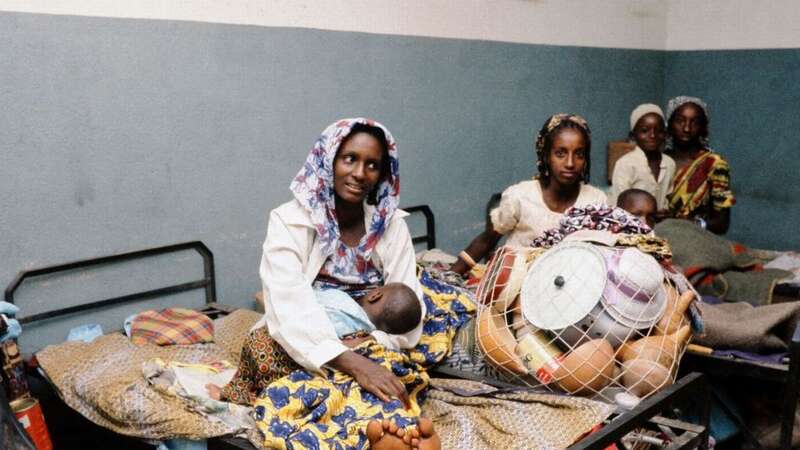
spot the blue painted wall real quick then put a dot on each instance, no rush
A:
(753, 96)
(123, 134)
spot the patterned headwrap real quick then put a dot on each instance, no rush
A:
(313, 188)
(554, 122)
(677, 102)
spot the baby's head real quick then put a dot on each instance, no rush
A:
(639, 203)
(392, 308)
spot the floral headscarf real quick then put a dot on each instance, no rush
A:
(677, 102)
(554, 122)
(313, 188)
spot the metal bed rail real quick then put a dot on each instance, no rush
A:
(693, 387)
(429, 238)
(787, 375)
(651, 412)
(207, 283)
(55, 411)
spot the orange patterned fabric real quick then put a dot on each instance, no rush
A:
(263, 361)
(172, 326)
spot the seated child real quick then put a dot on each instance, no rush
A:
(639, 203)
(392, 308)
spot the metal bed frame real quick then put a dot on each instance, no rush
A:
(208, 283)
(786, 375)
(650, 412)
(54, 409)
(690, 392)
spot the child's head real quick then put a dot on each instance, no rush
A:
(648, 128)
(639, 203)
(392, 308)
(562, 150)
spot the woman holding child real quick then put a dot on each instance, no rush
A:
(529, 208)
(343, 232)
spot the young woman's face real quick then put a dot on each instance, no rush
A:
(649, 133)
(567, 157)
(688, 124)
(357, 167)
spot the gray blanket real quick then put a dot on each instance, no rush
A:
(696, 250)
(741, 326)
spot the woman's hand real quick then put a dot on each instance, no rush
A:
(371, 376)
(481, 246)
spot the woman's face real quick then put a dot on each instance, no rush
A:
(567, 157)
(649, 132)
(357, 167)
(688, 124)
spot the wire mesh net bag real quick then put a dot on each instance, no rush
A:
(584, 318)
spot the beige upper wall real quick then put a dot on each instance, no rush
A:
(640, 24)
(732, 24)
(593, 23)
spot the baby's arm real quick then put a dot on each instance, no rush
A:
(354, 342)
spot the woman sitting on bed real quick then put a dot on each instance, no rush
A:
(529, 208)
(701, 187)
(341, 231)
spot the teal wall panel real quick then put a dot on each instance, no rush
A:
(753, 96)
(120, 134)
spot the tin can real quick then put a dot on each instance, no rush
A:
(540, 355)
(29, 414)
(13, 370)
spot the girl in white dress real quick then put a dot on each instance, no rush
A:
(529, 208)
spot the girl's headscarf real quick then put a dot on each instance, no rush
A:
(313, 188)
(553, 123)
(677, 102)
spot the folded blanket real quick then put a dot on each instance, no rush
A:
(762, 329)
(717, 266)
(694, 247)
(171, 326)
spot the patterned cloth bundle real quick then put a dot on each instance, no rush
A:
(172, 326)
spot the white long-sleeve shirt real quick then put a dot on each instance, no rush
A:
(291, 260)
(633, 171)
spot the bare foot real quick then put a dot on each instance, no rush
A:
(385, 435)
(214, 391)
(428, 438)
